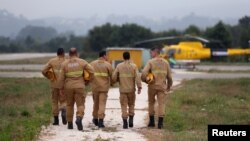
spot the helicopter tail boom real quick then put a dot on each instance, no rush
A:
(230, 52)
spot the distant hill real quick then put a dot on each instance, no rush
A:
(10, 25)
(37, 33)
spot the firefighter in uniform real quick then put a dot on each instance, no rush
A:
(72, 81)
(126, 73)
(100, 86)
(157, 85)
(51, 71)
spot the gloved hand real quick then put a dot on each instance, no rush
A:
(168, 89)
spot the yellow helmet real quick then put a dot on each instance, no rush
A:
(51, 75)
(86, 76)
(149, 78)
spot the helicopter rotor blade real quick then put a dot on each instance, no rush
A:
(197, 38)
(155, 40)
(185, 37)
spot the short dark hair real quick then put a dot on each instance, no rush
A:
(126, 55)
(102, 53)
(155, 49)
(60, 51)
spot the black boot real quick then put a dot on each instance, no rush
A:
(79, 123)
(100, 123)
(160, 123)
(151, 121)
(70, 125)
(131, 120)
(125, 124)
(63, 114)
(56, 120)
(95, 121)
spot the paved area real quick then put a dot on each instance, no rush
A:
(224, 67)
(18, 56)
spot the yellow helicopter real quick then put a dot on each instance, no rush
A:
(190, 50)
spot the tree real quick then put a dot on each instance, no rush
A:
(54, 44)
(75, 41)
(112, 35)
(245, 22)
(171, 32)
(220, 32)
(102, 36)
(131, 33)
(29, 41)
(244, 25)
(193, 30)
(236, 31)
(40, 34)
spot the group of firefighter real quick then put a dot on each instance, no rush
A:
(69, 77)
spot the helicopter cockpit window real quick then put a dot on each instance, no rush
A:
(171, 52)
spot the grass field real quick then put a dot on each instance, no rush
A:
(25, 107)
(200, 102)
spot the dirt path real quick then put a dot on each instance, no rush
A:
(113, 122)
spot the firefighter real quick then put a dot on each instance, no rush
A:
(51, 71)
(72, 81)
(159, 68)
(126, 73)
(100, 86)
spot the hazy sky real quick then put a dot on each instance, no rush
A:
(34, 9)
